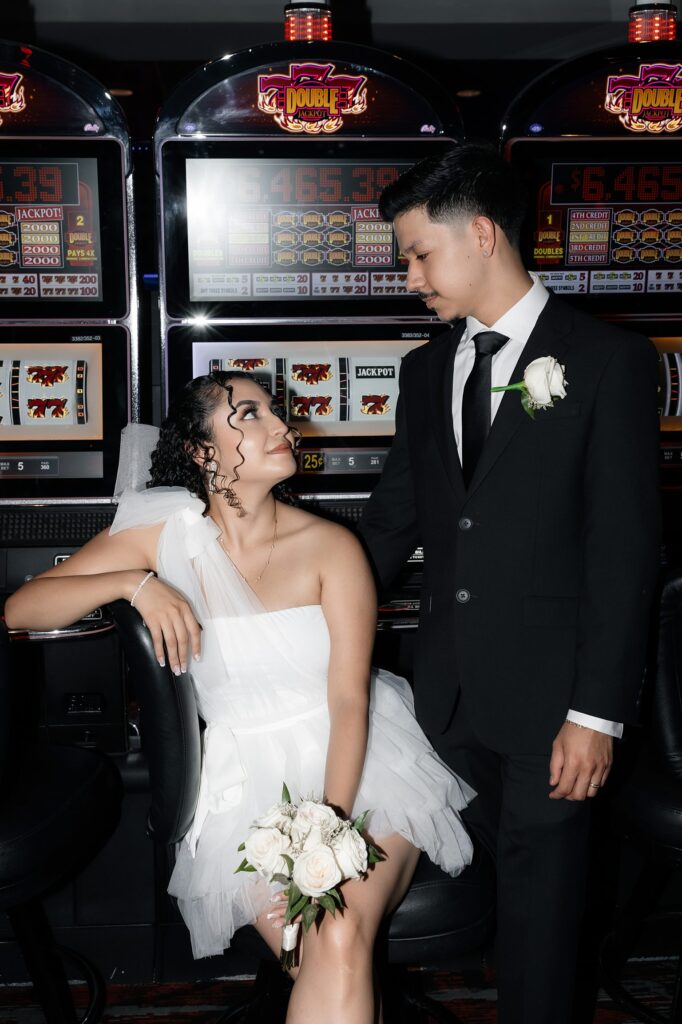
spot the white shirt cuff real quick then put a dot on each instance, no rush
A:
(614, 729)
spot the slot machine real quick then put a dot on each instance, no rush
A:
(274, 258)
(599, 140)
(68, 359)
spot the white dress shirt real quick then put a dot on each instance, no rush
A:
(517, 323)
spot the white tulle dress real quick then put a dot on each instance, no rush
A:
(261, 687)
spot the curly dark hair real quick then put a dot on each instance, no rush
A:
(186, 431)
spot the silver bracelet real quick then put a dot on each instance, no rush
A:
(139, 588)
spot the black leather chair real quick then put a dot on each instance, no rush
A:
(440, 919)
(58, 807)
(647, 811)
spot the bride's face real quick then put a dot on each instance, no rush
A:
(251, 437)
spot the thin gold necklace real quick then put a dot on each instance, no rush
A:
(260, 575)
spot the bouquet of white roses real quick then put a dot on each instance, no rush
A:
(310, 850)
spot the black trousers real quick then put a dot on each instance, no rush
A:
(541, 851)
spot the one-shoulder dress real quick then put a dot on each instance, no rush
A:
(261, 689)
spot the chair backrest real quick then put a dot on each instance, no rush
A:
(666, 733)
(170, 729)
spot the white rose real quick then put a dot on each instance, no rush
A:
(264, 848)
(350, 850)
(316, 871)
(544, 379)
(275, 818)
(313, 839)
(309, 815)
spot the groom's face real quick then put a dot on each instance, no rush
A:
(444, 262)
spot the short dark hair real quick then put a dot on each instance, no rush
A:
(470, 179)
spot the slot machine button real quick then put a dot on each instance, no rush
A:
(463, 595)
(465, 523)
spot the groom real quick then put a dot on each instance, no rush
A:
(540, 544)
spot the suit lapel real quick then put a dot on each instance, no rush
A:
(548, 338)
(441, 363)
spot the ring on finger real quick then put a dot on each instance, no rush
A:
(594, 785)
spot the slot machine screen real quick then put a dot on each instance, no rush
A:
(273, 226)
(605, 221)
(62, 235)
(337, 384)
(62, 408)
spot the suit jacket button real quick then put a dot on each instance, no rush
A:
(463, 596)
(465, 523)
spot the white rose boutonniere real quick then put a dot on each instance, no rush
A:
(543, 382)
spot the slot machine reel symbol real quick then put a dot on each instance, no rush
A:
(306, 407)
(625, 236)
(648, 254)
(338, 257)
(338, 237)
(246, 365)
(650, 235)
(673, 254)
(675, 217)
(7, 258)
(338, 219)
(375, 405)
(625, 218)
(286, 257)
(286, 237)
(312, 219)
(674, 235)
(311, 373)
(284, 219)
(6, 219)
(311, 237)
(624, 255)
(7, 238)
(47, 376)
(652, 217)
(42, 408)
(313, 257)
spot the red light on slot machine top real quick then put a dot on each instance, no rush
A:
(652, 21)
(307, 21)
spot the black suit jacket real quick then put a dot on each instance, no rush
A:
(538, 578)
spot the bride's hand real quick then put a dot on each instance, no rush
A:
(171, 622)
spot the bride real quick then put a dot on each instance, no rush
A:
(274, 611)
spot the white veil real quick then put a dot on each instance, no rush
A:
(138, 441)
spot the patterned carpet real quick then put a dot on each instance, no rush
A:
(470, 995)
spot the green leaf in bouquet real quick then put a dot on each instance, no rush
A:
(294, 894)
(310, 912)
(336, 895)
(327, 902)
(244, 866)
(373, 855)
(296, 908)
(286, 798)
(282, 879)
(288, 861)
(359, 822)
(241, 847)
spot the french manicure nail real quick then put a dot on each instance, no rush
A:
(176, 670)
(162, 663)
(184, 668)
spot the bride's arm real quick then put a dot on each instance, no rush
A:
(105, 569)
(349, 606)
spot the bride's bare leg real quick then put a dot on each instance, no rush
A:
(335, 979)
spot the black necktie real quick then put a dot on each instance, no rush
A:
(476, 400)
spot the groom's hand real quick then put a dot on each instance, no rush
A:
(580, 762)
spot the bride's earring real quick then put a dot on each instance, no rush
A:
(211, 470)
